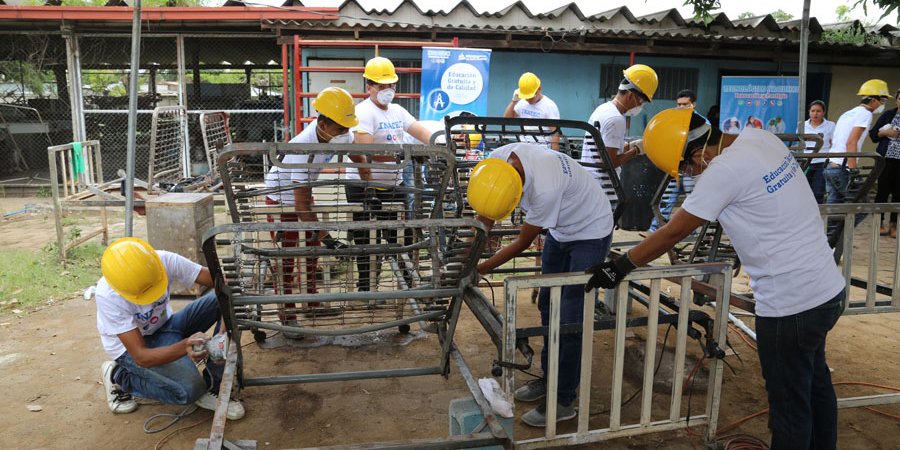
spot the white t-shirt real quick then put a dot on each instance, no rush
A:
(115, 315)
(757, 191)
(858, 117)
(280, 177)
(386, 127)
(545, 108)
(559, 194)
(826, 130)
(612, 131)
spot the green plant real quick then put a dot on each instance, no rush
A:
(43, 192)
(34, 277)
(74, 233)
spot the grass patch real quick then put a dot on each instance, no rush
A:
(35, 277)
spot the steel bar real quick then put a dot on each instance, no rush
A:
(341, 376)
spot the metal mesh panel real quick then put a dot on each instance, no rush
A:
(216, 135)
(261, 180)
(167, 145)
(496, 132)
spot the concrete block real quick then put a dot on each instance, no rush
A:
(465, 415)
(176, 222)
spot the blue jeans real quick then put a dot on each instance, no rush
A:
(178, 382)
(685, 185)
(802, 402)
(837, 180)
(815, 175)
(561, 257)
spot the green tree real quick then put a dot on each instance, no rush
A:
(782, 16)
(26, 75)
(702, 8)
(852, 33)
(746, 15)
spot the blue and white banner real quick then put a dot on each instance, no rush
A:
(769, 103)
(454, 79)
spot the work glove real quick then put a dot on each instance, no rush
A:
(608, 274)
(639, 145)
(371, 202)
(332, 243)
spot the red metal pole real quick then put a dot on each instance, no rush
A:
(284, 90)
(631, 59)
(298, 88)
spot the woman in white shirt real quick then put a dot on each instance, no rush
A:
(818, 124)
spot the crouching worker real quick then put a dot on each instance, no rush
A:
(561, 196)
(153, 351)
(753, 186)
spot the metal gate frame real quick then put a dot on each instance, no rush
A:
(720, 278)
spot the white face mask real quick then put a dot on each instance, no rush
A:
(634, 111)
(346, 138)
(385, 96)
(879, 109)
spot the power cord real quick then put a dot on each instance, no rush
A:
(174, 418)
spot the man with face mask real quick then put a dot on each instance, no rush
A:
(336, 117)
(529, 102)
(380, 122)
(637, 87)
(754, 187)
(848, 137)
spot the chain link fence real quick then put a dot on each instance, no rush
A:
(240, 75)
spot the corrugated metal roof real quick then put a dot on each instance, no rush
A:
(517, 16)
(569, 18)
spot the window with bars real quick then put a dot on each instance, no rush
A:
(409, 83)
(671, 80)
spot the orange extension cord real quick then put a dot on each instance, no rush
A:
(746, 442)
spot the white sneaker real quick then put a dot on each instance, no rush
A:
(209, 401)
(119, 401)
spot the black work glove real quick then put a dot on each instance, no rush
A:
(608, 274)
(854, 173)
(371, 202)
(332, 243)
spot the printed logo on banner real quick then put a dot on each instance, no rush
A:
(768, 103)
(454, 79)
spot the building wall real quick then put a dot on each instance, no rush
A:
(845, 84)
(573, 80)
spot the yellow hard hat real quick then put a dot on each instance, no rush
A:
(874, 88)
(380, 70)
(643, 78)
(665, 137)
(529, 84)
(474, 138)
(337, 105)
(495, 189)
(133, 269)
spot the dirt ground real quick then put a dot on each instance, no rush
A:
(50, 357)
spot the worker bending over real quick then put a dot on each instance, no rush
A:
(561, 196)
(755, 188)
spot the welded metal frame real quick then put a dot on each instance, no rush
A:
(720, 278)
(461, 252)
